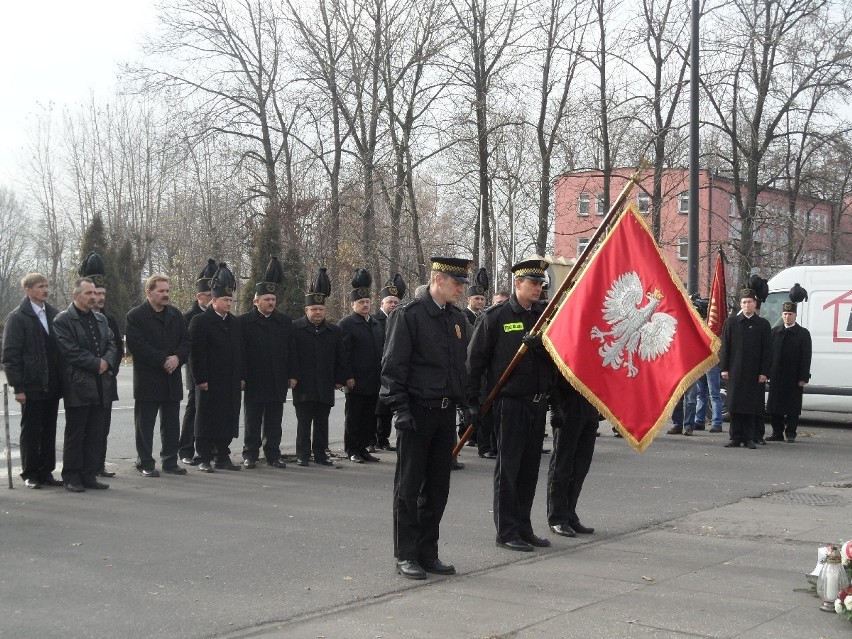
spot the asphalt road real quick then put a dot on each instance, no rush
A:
(210, 555)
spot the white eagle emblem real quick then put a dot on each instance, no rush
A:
(633, 328)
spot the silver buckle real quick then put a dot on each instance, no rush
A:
(537, 397)
(445, 402)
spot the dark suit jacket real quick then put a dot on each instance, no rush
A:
(268, 344)
(25, 355)
(320, 361)
(362, 343)
(151, 338)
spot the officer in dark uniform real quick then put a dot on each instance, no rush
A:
(186, 451)
(218, 367)
(363, 339)
(268, 346)
(423, 380)
(389, 299)
(521, 407)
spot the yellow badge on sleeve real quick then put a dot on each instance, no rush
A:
(513, 326)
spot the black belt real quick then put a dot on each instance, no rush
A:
(530, 398)
(443, 403)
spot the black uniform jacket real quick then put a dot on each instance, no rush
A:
(791, 363)
(319, 361)
(745, 354)
(79, 365)
(496, 338)
(268, 343)
(187, 318)
(363, 340)
(25, 348)
(425, 352)
(217, 359)
(151, 338)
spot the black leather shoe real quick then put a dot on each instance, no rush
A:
(50, 481)
(563, 529)
(95, 485)
(226, 465)
(775, 438)
(190, 461)
(580, 528)
(323, 462)
(278, 463)
(302, 462)
(103, 472)
(387, 446)
(791, 440)
(536, 541)
(457, 465)
(205, 467)
(175, 470)
(732, 444)
(761, 441)
(370, 458)
(74, 487)
(751, 445)
(32, 483)
(438, 567)
(515, 544)
(488, 455)
(249, 463)
(145, 472)
(356, 458)
(410, 569)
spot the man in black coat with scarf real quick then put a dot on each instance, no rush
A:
(789, 373)
(218, 368)
(159, 342)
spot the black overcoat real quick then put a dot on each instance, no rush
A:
(791, 363)
(151, 338)
(319, 361)
(217, 359)
(363, 340)
(187, 318)
(745, 355)
(268, 347)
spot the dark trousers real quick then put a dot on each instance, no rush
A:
(778, 429)
(742, 427)
(573, 449)
(145, 415)
(308, 414)
(422, 482)
(38, 438)
(520, 436)
(360, 418)
(186, 442)
(107, 425)
(383, 429)
(262, 421)
(214, 449)
(759, 427)
(82, 449)
(486, 440)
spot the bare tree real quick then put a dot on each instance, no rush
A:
(14, 249)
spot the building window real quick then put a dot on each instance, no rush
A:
(683, 203)
(582, 243)
(599, 204)
(683, 248)
(732, 207)
(644, 201)
(583, 204)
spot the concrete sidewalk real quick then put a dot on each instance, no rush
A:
(734, 571)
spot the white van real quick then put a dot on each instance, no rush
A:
(828, 316)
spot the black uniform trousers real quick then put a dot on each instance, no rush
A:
(145, 416)
(186, 442)
(81, 452)
(778, 429)
(743, 427)
(486, 439)
(383, 429)
(38, 438)
(359, 416)
(308, 414)
(262, 421)
(573, 449)
(214, 449)
(422, 481)
(107, 425)
(520, 437)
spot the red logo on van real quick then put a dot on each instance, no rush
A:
(842, 317)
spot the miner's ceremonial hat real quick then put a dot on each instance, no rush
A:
(93, 268)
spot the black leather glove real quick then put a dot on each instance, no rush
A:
(470, 414)
(532, 341)
(403, 420)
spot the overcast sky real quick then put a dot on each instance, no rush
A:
(59, 51)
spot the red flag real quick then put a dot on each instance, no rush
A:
(627, 336)
(717, 309)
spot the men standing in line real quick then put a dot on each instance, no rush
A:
(158, 340)
(88, 361)
(218, 368)
(423, 380)
(744, 360)
(363, 339)
(789, 373)
(521, 409)
(268, 346)
(320, 369)
(31, 361)
(476, 293)
(390, 296)
(187, 428)
(93, 268)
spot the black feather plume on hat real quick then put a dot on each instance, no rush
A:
(481, 283)
(223, 283)
(361, 282)
(320, 289)
(400, 285)
(93, 268)
(760, 287)
(274, 272)
(798, 294)
(206, 274)
(394, 288)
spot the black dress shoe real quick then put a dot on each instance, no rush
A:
(323, 462)
(457, 465)
(74, 487)
(536, 541)
(175, 470)
(580, 528)
(149, 472)
(387, 446)
(32, 483)
(249, 463)
(761, 441)
(95, 485)
(302, 462)
(370, 458)
(515, 544)
(205, 467)
(356, 458)
(410, 569)
(190, 461)
(732, 444)
(791, 440)
(103, 472)
(278, 463)
(226, 465)
(563, 529)
(775, 438)
(438, 567)
(50, 481)
(490, 454)
(751, 445)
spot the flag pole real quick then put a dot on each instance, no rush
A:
(553, 304)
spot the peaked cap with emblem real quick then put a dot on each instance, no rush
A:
(480, 284)
(536, 270)
(223, 283)
(93, 268)
(271, 283)
(320, 289)
(457, 268)
(204, 277)
(361, 283)
(394, 288)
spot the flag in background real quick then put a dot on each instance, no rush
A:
(627, 336)
(717, 308)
